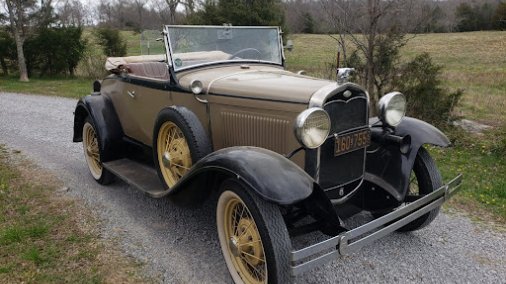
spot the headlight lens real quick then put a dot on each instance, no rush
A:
(392, 108)
(312, 127)
(196, 87)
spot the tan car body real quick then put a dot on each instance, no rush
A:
(247, 105)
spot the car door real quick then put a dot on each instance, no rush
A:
(144, 98)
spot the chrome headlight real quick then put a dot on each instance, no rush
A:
(392, 108)
(196, 87)
(312, 127)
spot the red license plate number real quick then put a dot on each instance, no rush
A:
(352, 141)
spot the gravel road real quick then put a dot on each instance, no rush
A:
(179, 245)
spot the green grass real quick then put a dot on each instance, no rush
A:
(484, 181)
(44, 239)
(474, 62)
(63, 87)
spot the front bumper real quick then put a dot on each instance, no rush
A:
(352, 240)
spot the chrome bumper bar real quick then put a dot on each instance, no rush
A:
(351, 241)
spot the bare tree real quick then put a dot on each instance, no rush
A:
(375, 29)
(72, 12)
(139, 6)
(18, 18)
(172, 4)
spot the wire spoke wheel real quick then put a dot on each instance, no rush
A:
(244, 248)
(253, 236)
(91, 150)
(174, 155)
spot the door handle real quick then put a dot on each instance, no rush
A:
(131, 94)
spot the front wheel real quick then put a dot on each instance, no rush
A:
(253, 236)
(425, 179)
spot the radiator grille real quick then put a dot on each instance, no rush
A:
(242, 129)
(345, 115)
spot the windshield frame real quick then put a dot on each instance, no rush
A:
(168, 47)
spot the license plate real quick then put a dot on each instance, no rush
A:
(352, 141)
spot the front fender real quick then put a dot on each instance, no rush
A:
(271, 175)
(390, 169)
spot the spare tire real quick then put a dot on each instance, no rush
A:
(179, 141)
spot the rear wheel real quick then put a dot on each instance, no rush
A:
(425, 179)
(93, 154)
(253, 236)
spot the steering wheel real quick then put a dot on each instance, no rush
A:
(250, 49)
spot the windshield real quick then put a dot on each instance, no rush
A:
(191, 46)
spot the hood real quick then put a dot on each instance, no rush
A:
(255, 81)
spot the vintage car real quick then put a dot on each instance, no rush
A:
(286, 154)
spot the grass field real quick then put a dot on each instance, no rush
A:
(45, 238)
(474, 62)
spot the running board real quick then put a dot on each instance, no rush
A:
(140, 176)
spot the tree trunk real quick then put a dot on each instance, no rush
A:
(17, 28)
(23, 73)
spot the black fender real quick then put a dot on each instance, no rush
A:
(389, 168)
(271, 175)
(105, 120)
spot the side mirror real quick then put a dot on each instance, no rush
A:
(289, 45)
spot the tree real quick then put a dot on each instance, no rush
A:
(18, 17)
(419, 80)
(111, 41)
(173, 4)
(309, 25)
(72, 13)
(499, 18)
(474, 18)
(7, 50)
(376, 30)
(241, 13)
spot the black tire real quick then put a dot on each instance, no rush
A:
(194, 134)
(103, 176)
(270, 226)
(429, 179)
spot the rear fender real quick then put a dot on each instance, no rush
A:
(390, 169)
(105, 120)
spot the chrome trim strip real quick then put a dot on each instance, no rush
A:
(321, 260)
(320, 96)
(347, 242)
(245, 61)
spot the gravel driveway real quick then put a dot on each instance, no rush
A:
(179, 245)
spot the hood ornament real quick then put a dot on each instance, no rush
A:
(343, 74)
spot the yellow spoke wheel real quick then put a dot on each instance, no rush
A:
(91, 150)
(174, 155)
(245, 245)
(253, 236)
